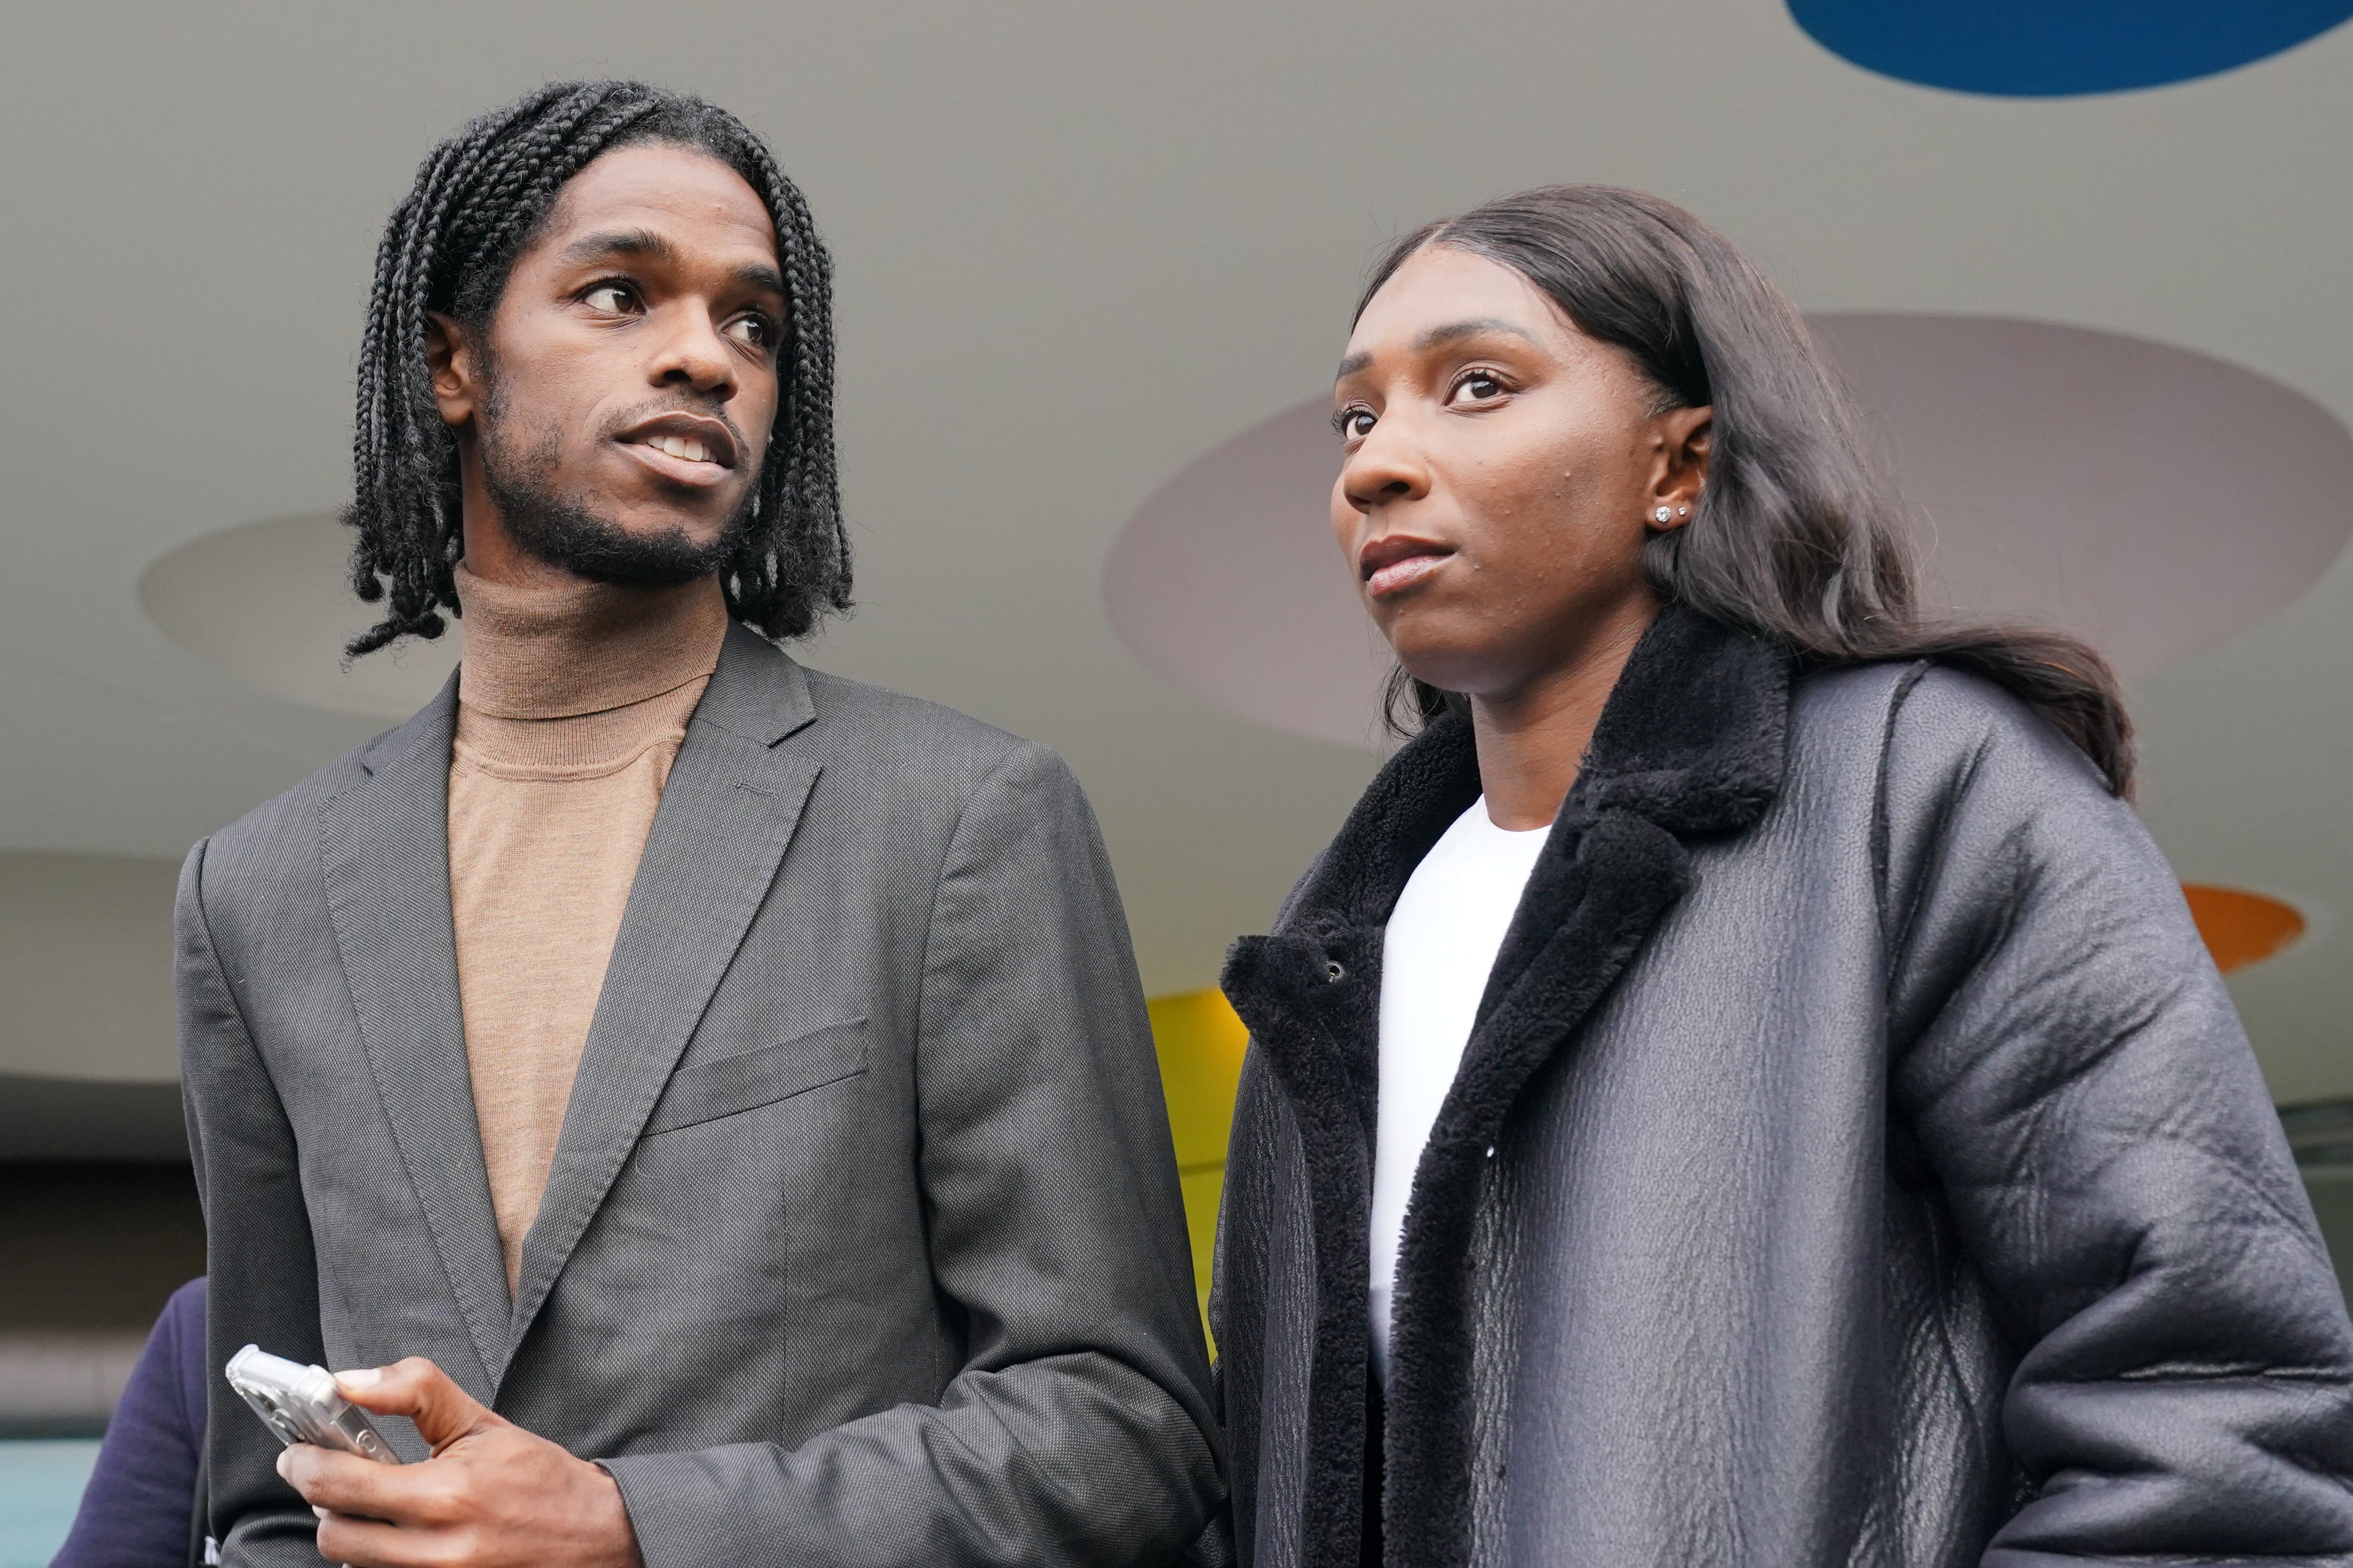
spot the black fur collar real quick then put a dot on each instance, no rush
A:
(1691, 738)
(1690, 744)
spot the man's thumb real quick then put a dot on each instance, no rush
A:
(422, 1392)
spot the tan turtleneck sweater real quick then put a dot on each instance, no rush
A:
(572, 701)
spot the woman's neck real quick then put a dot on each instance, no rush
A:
(1532, 738)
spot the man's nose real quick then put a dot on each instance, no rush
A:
(694, 353)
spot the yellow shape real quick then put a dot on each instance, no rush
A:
(1202, 1189)
(1201, 1044)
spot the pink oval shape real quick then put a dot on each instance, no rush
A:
(2154, 500)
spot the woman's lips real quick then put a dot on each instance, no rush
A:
(1396, 576)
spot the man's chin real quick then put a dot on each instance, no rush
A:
(630, 560)
(649, 555)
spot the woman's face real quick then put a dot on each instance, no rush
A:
(1501, 471)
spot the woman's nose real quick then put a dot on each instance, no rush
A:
(1385, 467)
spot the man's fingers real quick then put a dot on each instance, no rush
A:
(371, 1543)
(344, 1482)
(422, 1392)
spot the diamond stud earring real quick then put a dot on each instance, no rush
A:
(1663, 516)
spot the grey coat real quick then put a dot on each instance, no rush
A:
(1856, 1160)
(862, 1242)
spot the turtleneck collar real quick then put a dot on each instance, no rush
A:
(558, 650)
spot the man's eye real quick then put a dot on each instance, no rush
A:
(612, 298)
(752, 331)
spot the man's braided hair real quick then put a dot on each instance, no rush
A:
(480, 199)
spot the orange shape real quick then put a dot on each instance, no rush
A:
(2240, 927)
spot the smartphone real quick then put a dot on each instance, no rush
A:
(302, 1405)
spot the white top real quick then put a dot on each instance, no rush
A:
(1442, 940)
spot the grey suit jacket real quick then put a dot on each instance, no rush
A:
(862, 1242)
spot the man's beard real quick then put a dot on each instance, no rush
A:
(567, 532)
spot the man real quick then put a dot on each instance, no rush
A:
(720, 1091)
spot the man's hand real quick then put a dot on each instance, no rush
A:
(492, 1495)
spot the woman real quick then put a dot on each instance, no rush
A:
(1742, 1088)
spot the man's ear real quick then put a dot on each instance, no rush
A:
(455, 366)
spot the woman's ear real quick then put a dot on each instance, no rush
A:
(1685, 438)
(453, 363)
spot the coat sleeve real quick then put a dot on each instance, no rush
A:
(264, 1284)
(2074, 1071)
(1079, 1429)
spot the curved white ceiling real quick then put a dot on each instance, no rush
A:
(1077, 245)
(2154, 500)
(271, 604)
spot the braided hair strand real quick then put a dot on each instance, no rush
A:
(478, 200)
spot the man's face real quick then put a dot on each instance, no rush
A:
(613, 420)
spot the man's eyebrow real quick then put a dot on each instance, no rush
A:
(1438, 337)
(755, 276)
(653, 247)
(642, 242)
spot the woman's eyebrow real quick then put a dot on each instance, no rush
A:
(1454, 331)
(1438, 337)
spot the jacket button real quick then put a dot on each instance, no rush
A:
(1332, 972)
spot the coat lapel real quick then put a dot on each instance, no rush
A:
(726, 814)
(1310, 993)
(1689, 746)
(384, 847)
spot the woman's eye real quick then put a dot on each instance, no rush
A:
(611, 298)
(1479, 387)
(1354, 424)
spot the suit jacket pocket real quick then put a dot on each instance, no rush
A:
(745, 1081)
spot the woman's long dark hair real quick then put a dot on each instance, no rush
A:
(1795, 534)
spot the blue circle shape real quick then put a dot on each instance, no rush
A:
(2056, 48)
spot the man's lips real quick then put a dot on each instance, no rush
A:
(692, 449)
(1395, 561)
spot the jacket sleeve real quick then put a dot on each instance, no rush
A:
(2074, 1071)
(264, 1283)
(1079, 1430)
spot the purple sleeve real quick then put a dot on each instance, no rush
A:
(140, 1499)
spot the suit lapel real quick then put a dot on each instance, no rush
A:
(725, 818)
(385, 847)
